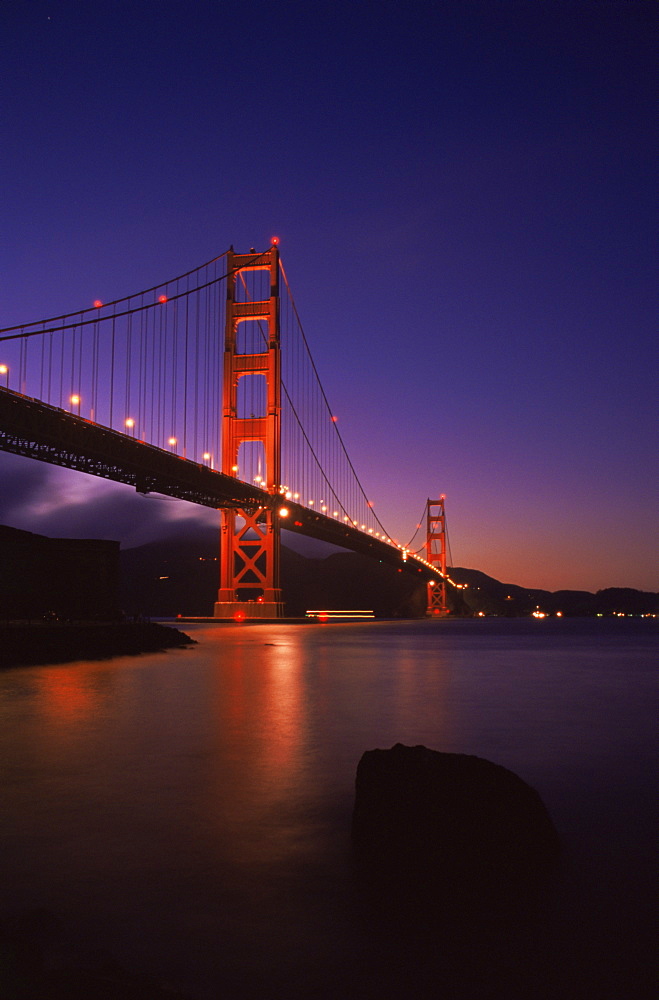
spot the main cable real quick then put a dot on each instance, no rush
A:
(336, 429)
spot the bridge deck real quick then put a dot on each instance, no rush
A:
(37, 430)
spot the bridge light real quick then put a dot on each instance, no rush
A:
(97, 303)
(274, 241)
(75, 401)
(311, 503)
(335, 513)
(334, 420)
(296, 496)
(258, 479)
(4, 370)
(162, 299)
(234, 468)
(283, 511)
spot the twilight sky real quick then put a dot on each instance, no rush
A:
(465, 196)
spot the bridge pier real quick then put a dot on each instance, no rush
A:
(238, 611)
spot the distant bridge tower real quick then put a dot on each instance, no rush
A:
(436, 554)
(250, 547)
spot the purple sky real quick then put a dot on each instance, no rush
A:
(465, 199)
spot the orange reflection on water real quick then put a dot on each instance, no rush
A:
(262, 704)
(66, 692)
(261, 731)
(284, 707)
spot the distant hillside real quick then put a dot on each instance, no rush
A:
(182, 577)
(173, 577)
(483, 593)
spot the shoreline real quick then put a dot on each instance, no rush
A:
(48, 643)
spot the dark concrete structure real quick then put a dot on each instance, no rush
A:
(64, 578)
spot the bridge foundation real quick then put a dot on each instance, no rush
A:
(239, 611)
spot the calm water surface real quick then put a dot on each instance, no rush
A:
(189, 811)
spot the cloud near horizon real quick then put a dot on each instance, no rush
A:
(61, 503)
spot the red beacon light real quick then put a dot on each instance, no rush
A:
(97, 303)
(162, 299)
(274, 241)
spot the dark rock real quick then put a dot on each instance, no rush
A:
(434, 826)
(60, 642)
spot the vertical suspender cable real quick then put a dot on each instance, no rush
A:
(185, 368)
(112, 370)
(129, 345)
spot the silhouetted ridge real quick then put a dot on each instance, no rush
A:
(181, 577)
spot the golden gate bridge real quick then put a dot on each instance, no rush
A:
(203, 388)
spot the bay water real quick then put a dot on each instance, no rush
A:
(188, 812)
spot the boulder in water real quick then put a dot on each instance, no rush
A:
(431, 826)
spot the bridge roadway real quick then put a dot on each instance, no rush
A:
(47, 433)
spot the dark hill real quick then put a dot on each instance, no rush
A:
(180, 577)
(173, 577)
(484, 593)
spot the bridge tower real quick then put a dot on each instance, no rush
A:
(250, 546)
(436, 554)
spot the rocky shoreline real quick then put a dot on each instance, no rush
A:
(61, 642)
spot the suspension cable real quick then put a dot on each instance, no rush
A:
(418, 528)
(24, 334)
(336, 429)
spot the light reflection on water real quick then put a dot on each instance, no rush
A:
(190, 810)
